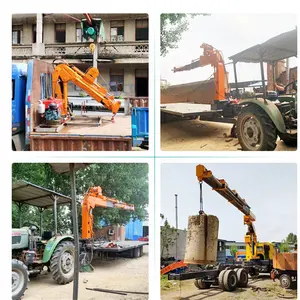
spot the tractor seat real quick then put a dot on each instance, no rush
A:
(47, 235)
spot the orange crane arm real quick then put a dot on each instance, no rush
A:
(63, 73)
(94, 198)
(213, 57)
(221, 187)
(173, 266)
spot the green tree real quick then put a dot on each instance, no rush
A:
(171, 28)
(292, 238)
(285, 244)
(124, 181)
(233, 250)
(168, 235)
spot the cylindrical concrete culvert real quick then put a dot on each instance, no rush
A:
(212, 239)
(195, 241)
(202, 240)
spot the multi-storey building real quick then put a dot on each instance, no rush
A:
(122, 52)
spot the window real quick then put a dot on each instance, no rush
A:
(17, 34)
(33, 33)
(141, 30)
(117, 81)
(60, 33)
(117, 31)
(79, 36)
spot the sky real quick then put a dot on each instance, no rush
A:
(229, 33)
(269, 189)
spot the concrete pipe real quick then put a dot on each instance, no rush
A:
(195, 242)
(212, 239)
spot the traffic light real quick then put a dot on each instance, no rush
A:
(91, 30)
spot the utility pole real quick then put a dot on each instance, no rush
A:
(176, 214)
(95, 56)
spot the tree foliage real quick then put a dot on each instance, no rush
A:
(171, 28)
(285, 244)
(124, 181)
(168, 236)
(233, 250)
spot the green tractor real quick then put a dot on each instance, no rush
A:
(32, 253)
(35, 250)
(269, 116)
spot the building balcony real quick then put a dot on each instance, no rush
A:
(108, 50)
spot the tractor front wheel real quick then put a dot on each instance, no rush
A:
(19, 279)
(255, 130)
(62, 262)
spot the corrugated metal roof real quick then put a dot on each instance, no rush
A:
(277, 48)
(28, 193)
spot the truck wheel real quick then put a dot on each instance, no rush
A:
(19, 279)
(201, 285)
(242, 277)
(285, 281)
(136, 252)
(230, 280)
(221, 279)
(62, 262)
(255, 130)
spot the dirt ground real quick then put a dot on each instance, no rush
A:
(189, 292)
(119, 274)
(196, 135)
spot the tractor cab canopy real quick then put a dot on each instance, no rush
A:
(24, 192)
(277, 48)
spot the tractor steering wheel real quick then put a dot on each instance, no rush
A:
(294, 86)
(29, 224)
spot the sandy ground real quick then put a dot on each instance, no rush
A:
(189, 292)
(196, 135)
(120, 274)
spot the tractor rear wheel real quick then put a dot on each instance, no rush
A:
(19, 279)
(62, 262)
(255, 130)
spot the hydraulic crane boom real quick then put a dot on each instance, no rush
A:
(64, 73)
(213, 57)
(94, 198)
(221, 187)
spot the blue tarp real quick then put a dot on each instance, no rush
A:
(134, 230)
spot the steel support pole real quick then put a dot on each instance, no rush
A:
(262, 74)
(41, 219)
(75, 232)
(288, 73)
(20, 214)
(54, 198)
(176, 214)
(236, 81)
